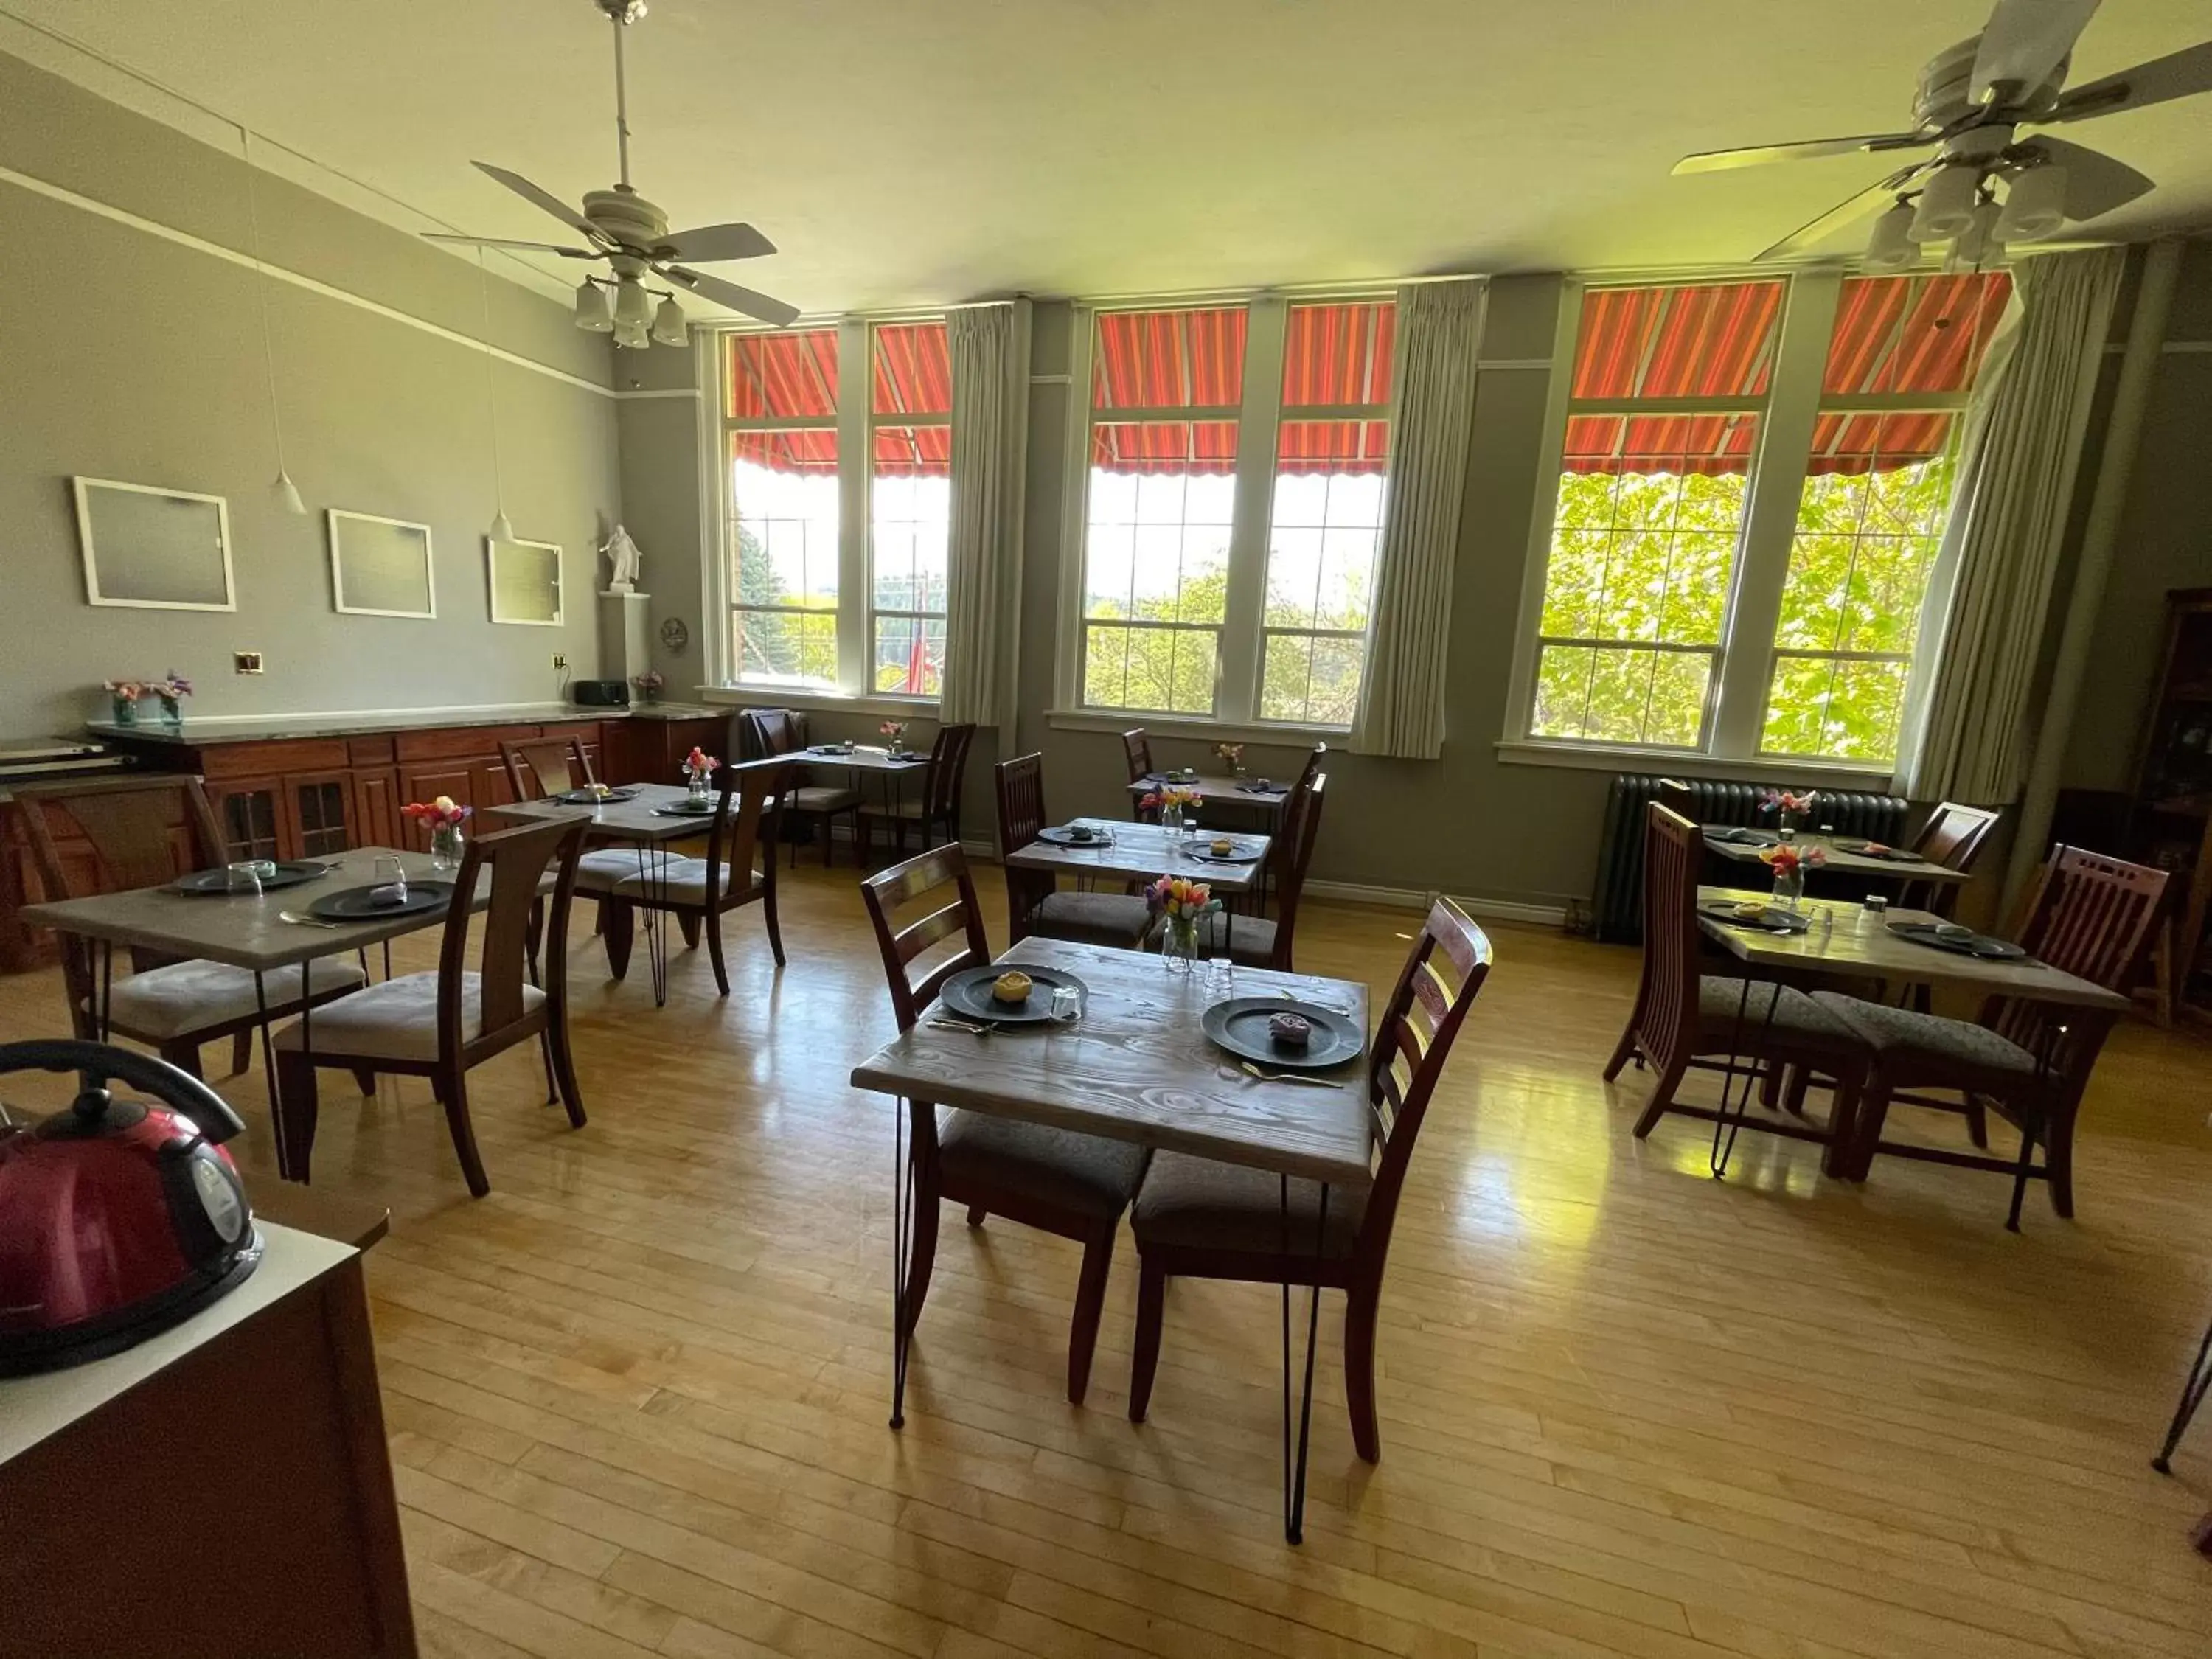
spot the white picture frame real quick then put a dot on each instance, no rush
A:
(381, 566)
(165, 549)
(519, 574)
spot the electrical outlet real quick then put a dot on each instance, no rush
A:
(560, 662)
(246, 662)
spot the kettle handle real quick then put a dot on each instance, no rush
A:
(98, 1062)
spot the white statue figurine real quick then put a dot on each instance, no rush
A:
(623, 558)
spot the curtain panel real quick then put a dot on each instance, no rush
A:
(2019, 454)
(989, 347)
(1401, 692)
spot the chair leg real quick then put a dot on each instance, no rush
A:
(1662, 1097)
(296, 1089)
(1359, 1316)
(1843, 1125)
(564, 1063)
(1770, 1086)
(533, 935)
(2058, 1158)
(464, 1135)
(1152, 1307)
(1873, 1110)
(619, 928)
(687, 923)
(1977, 1120)
(366, 1076)
(1089, 1304)
(1793, 1098)
(1622, 1051)
(545, 1054)
(976, 1215)
(714, 950)
(774, 932)
(241, 1051)
(186, 1057)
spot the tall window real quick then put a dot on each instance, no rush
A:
(836, 575)
(1753, 481)
(1236, 463)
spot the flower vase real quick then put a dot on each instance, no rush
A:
(1179, 945)
(172, 713)
(1171, 819)
(445, 847)
(698, 796)
(1788, 888)
(125, 712)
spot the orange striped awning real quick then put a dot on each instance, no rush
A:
(794, 376)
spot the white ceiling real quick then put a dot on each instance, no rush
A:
(903, 152)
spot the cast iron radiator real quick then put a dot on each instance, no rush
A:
(1617, 900)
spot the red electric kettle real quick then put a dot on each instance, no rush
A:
(119, 1218)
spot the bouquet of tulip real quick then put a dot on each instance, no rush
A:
(650, 684)
(1790, 863)
(172, 688)
(1180, 903)
(123, 695)
(1789, 806)
(894, 736)
(1172, 804)
(444, 817)
(699, 765)
(1231, 754)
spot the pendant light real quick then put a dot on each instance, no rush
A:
(2035, 204)
(1890, 247)
(1979, 244)
(1947, 203)
(287, 492)
(668, 324)
(502, 527)
(591, 313)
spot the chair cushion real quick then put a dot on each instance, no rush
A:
(1795, 1015)
(192, 996)
(1086, 1174)
(821, 798)
(1896, 1034)
(396, 1020)
(683, 882)
(1201, 1203)
(607, 867)
(1251, 938)
(1115, 919)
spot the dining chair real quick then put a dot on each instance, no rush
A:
(541, 770)
(1682, 1015)
(938, 806)
(550, 766)
(171, 1005)
(1257, 941)
(1073, 1186)
(2089, 915)
(1196, 1218)
(1952, 838)
(782, 731)
(443, 1025)
(1034, 902)
(739, 868)
(1137, 751)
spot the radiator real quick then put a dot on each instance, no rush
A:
(1616, 902)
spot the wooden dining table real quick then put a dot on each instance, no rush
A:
(1218, 790)
(1142, 852)
(1136, 1065)
(1838, 860)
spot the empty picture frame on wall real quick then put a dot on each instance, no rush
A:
(381, 566)
(525, 581)
(168, 550)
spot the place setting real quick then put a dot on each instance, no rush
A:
(1961, 940)
(1755, 912)
(1079, 833)
(983, 999)
(1292, 1039)
(249, 878)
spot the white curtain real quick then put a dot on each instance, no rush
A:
(990, 352)
(1401, 692)
(2022, 446)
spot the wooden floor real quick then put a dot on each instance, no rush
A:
(637, 1395)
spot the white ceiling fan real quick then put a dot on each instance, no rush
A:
(632, 235)
(1970, 103)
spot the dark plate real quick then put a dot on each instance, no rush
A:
(215, 884)
(1061, 835)
(354, 904)
(834, 750)
(585, 798)
(1240, 1025)
(1976, 944)
(1745, 837)
(1269, 793)
(1242, 854)
(1867, 849)
(968, 993)
(1770, 920)
(685, 809)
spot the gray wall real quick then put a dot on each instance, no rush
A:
(125, 355)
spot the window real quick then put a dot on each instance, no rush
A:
(1213, 587)
(836, 582)
(1753, 484)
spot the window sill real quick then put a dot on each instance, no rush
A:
(832, 702)
(1600, 757)
(1196, 730)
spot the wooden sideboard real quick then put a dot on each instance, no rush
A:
(309, 796)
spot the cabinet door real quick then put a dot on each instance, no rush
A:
(429, 782)
(493, 787)
(319, 813)
(252, 813)
(376, 820)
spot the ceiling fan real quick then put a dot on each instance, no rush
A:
(632, 235)
(1970, 104)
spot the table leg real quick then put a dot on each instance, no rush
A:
(1294, 1462)
(100, 1014)
(269, 1070)
(901, 1252)
(2192, 1395)
(652, 870)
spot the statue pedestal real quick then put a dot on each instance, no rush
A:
(625, 635)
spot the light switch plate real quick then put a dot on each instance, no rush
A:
(246, 662)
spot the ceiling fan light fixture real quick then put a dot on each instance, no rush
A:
(1947, 203)
(2034, 205)
(1979, 244)
(633, 306)
(631, 336)
(668, 324)
(1891, 247)
(591, 313)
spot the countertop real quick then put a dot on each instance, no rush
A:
(196, 733)
(36, 1408)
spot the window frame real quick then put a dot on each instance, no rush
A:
(1795, 399)
(1259, 417)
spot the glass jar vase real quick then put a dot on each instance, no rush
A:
(447, 845)
(1179, 945)
(1788, 888)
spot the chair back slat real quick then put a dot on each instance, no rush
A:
(1137, 752)
(925, 876)
(129, 828)
(1954, 834)
(517, 860)
(948, 769)
(768, 732)
(1021, 814)
(747, 802)
(1667, 1000)
(550, 767)
(1301, 829)
(2088, 915)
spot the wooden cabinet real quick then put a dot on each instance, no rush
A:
(252, 813)
(376, 803)
(645, 750)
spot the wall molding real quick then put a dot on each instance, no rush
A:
(215, 728)
(69, 197)
(643, 393)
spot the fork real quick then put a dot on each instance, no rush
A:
(300, 918)
(1250, 1070)
(945, 1021)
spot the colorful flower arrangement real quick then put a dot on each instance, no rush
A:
(699, 765)
(443, 813)
(170, 687)
(894, 734)
(1771, 801)
(650, 684)
(126, 691)
(1789, 859)
(1231, 754)
(1172, 800)
(1180, 899)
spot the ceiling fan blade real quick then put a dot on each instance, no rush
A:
(1814, 232)
(544, 198)
(501, 241)
(2177, 75)
(729, 294)
(710, 244)
(2023, 40)
(1807, 149)
(2095, 183)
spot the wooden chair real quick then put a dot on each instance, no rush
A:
(443, 1025)
(1198, 1218)
(739, 869)
(1073, 1186)
(553, 766)
(1258, 941)
(1683, 1015)
(782, 731)
(2029, 1062)
(1034, 902)
(1952, 838)
(550, 766)
(1137, 751)
(936, 808)
(144, 834)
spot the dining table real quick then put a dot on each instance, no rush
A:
(257, 932)
(1844, 944)
(1839, 856)
(1135, 1064)
(1144, 852)
(1219, 789)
